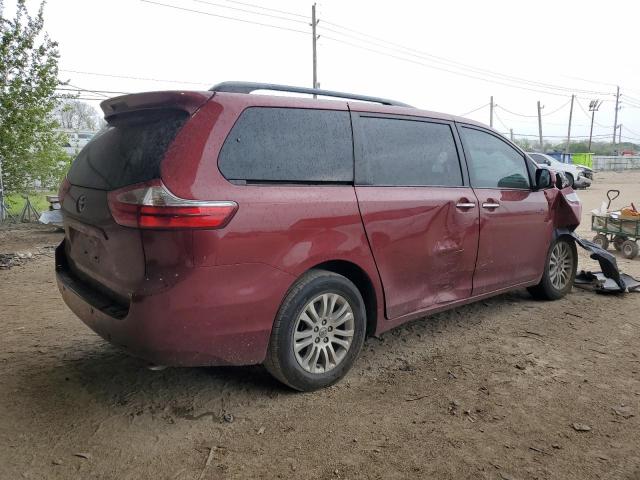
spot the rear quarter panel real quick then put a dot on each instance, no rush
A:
(291, 228)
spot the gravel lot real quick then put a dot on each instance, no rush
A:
(508, 388)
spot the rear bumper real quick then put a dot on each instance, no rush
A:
(218, 315)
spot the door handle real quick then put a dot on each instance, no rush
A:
(465, 205)
(490, 205)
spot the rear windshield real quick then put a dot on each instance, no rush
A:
(129, 150)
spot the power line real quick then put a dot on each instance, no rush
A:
(516, 114)
(474, 110)
(630, 131)
(129, 77)
(635, 100)
(64, 89)
(603, 135)
(224, 16)
(267, 8)
(454, 63)
(534, 116)
(438, 68)
(556, 110)
(85, 98)
(250, 11)
(500, 120)
(86, 90)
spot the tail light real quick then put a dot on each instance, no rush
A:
(151, 205)
(65, 186)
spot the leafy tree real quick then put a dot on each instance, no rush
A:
(30, 146)
(77, 115)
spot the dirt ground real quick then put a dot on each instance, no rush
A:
(496, 390)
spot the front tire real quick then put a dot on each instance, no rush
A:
(559, 271)
(570, 180)
(318, 331)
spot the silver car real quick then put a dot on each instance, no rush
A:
(575, 175)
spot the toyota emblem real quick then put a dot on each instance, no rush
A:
(81, 203)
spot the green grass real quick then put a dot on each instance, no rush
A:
(15, 202)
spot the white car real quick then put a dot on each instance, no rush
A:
(574, 175)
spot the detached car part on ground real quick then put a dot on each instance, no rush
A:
(225, 228)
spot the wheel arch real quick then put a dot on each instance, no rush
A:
(563, 232)
(363, 283)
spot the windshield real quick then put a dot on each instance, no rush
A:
(538, 158)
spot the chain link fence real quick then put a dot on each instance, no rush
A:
(617, 163)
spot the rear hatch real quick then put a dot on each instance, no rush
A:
(128, 151)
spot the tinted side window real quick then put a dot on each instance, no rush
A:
(407, 152)
(289, 144)
(492, 162)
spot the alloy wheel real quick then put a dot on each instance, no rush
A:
(560, 265)
(323, 333)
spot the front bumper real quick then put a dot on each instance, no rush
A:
(218, 315)
(582, 182)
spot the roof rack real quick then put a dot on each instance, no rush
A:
(248, 87)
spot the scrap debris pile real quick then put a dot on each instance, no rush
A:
(9, 260)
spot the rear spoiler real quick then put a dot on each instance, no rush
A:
(187, 101)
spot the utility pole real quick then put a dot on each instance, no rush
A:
(620, 134)
(615, 120)
(566, 150)
(540, 125)
(314, 40)
(594, 106)
(511, 134)
(491, 112)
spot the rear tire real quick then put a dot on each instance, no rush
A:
(559, 271)
(618, 240)
(318, 331)
(629, 249)
(601, 240)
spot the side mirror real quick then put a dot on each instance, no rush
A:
(547, 162)
(543, 179)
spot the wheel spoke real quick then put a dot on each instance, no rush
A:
(332, 354)
(343, 343)
(302, 344)
(339, 313)
(302, 335)
(305, 361)
(311, 309)
(332, 304)
(314, 359)
(339, 321)
(306, 319)
(343, 333)
(325, 305)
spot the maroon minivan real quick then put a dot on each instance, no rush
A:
(231, 228)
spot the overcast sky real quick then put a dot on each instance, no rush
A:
(565, 46)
